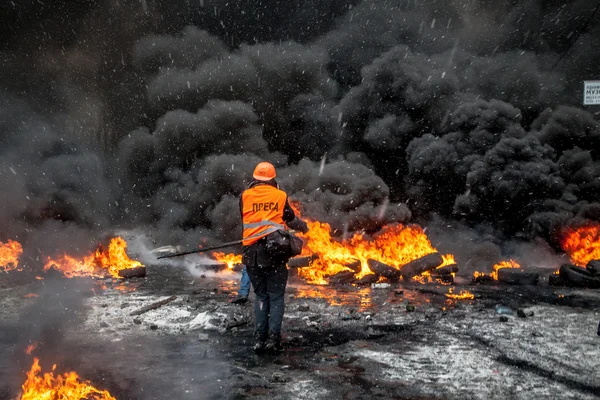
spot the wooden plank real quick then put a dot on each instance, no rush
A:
(153, 306)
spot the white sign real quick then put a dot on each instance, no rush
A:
(591, 93)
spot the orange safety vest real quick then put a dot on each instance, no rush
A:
(262, 212)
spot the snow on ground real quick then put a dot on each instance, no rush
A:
(560, 340)
(109, 315)
(306, 390)
(482, 358)
(345, 342)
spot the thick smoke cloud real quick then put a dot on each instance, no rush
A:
(349, 196)
(285, 84)
(152, 114)
(509, 181)
(438, 166)
(52, 189)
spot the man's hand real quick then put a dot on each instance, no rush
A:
(298, 225)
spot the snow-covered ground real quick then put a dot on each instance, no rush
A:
(341, 343)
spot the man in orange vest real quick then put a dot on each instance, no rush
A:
(265, 210)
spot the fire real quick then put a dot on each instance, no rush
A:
(360, 298)
(448, 260)
(9, 255)
(60, 387)
(230, 259)
(98, 264)
(394, 245)
(494, 274)
(426, 277)
(503, 264)
(478, 274)
(463, 295)
(582, 244)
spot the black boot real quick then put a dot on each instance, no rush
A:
(273, 344)
(260, 343)
(240, 300)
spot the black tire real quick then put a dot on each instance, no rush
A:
(447, 279)
(381, 269)
(367, 279)
(137, 272)
(555, 280)
(594, 267)
(300, 262)
(515, 276)
(574, 276)
(420, 265)
(342, 278)
(484, 279)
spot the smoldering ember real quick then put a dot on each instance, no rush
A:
(444, 155)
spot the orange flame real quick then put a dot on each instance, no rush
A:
(360, 297)
(463, 295)
(582, 244)
(65, 386)
(478, 274)
(9, 254)
(97, 264)
(230, 259)
(494, 274)
(394, 245)
(31, 295)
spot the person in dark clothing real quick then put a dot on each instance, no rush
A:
(265, 210)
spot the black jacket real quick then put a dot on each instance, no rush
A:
(256, 254)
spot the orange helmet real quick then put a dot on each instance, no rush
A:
(264, 171)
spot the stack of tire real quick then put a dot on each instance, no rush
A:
(574, 276)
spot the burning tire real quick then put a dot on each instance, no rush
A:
(381, 269)
(367, 279)
(420, 265)
(301, 262)
(342, 278)
(578, 277)
(137, 272)
(446, 270)
(514, 276)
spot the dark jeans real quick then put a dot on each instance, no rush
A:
(269, 283)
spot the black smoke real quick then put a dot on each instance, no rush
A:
(151, 114)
